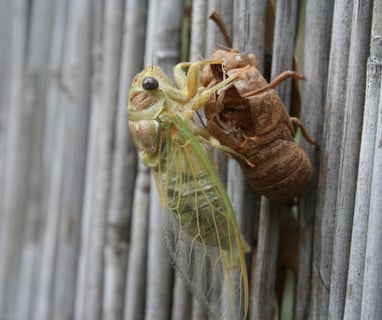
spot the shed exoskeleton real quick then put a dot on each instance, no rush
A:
(250, 118)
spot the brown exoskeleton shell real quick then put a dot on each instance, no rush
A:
(250, 118)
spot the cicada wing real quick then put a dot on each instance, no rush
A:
(200, 229)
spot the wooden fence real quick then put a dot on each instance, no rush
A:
(80, 234)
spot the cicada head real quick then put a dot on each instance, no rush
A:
(146, 103)
(147, 89)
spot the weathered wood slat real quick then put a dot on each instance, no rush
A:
(318, 25)
(372, 285)
(362, 208)
(22, 151)
(56, 119)
(99, 158)
(198, 27)
(136, 274)
(88, 223)
(348, 166)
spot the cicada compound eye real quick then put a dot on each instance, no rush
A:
(150, 83)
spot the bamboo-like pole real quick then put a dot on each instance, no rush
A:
(198, 29)
(107, 46)
(286, 24)
(350, 145)
(119, 70)
(136, 276)
(16, 167)
(88, 204)
(372, 286)
(54, 145)
(76, 75)
(362, 207)
(318, 23)
(34, 90)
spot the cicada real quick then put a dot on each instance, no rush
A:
(199, 224)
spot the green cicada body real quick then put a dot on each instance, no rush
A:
(199, 225)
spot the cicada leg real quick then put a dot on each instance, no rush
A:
(216, 144)
(205, 95)
(275, 82)
(206, 138)
(297, 124)
(190, 81)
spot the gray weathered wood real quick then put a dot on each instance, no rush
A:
(136, 276)
(115, 247)
(88, 223)
(198, 29)
(183, 301)
(34, 90)
(16, 166)
(159, 270)
(318, 21)
(362, 208)
(286, 24)
(97, 191)
(264, 295)
(372, 285)
(351, 136)
(256, 42)
(36, 80)
(55, 144)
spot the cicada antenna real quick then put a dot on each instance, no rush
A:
(217, 18)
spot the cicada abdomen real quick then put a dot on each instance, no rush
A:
(192, 195)
(250, 118)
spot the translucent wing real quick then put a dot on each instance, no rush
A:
(199, 225)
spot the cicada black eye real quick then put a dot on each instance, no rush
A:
(150, 83)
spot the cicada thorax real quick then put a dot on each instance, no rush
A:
(258, 127)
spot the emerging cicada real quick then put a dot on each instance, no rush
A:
(199, 223)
